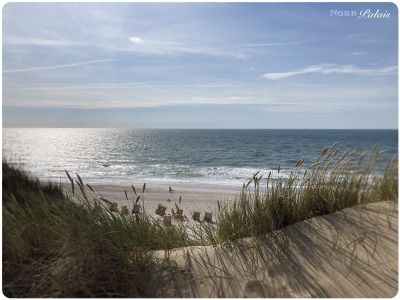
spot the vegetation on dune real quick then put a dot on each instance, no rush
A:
(335, 180)
(55, 247)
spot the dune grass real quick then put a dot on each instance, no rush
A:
(335, 180)
(56, 246)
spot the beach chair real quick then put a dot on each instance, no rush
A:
(207, 217)
(114, 207)
(136, 209)
(167, 220)
(196, 216)
(124, 210)
(179, 213)
(161, 210)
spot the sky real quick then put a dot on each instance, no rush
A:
(199, 65)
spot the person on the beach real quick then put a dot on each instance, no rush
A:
(171, 190)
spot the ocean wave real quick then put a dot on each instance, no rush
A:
(220, 175)
(192, 157)
(158, 173)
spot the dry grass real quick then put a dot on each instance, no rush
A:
(54, 247)
(335, 180)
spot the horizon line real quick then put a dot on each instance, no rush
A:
(197, 128)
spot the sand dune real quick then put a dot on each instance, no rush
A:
(351, 253)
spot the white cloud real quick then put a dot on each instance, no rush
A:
(287, 43)
(136, 40)
(357, 53)
(58, 66)
(242, 56)
(168, 47)
(333, 69)
(13, 40)
(290, 97)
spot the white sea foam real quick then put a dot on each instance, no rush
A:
(168, 174)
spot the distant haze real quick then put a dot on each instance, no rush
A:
(199, 65)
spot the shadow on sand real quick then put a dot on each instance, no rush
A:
(351, 253)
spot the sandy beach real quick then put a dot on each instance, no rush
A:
(351, 253)
(192, 198)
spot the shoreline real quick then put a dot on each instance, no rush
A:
(63, 180)
(223, 188)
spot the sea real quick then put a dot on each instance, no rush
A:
(196, 157)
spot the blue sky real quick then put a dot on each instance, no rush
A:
(198, 65)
